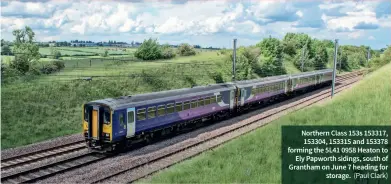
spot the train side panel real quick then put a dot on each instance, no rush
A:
(158, 115)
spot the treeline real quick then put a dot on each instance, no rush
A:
(267, 58)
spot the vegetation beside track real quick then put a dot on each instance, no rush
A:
(255, 157)
(44, 97)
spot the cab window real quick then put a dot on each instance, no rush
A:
(86, 113)
(219, 99)
(106, 116)
(141, 114)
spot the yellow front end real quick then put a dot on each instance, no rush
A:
(97, 126)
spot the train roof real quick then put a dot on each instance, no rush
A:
(141, 99)
(262, 80)
(303, 74)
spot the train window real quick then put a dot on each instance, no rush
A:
(130, 117)
(178, 107)
(121, 119)
(170, 108)
(186, 105)
(151, 112)
(201, 102)
(106, 116)
(161, 110)
(219, 98)
(141, 114)
(207, 101)
(86, 114)
(253, 91)
(193, 103)
(213, 99)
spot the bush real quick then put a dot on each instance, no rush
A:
(105, 54)
(149, 50)
(55, 53)
(8, 74)
(186, 50)
(60, 64)
(52, 66)
(21, 63)
(167, 52)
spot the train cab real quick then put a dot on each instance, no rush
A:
(97, 126)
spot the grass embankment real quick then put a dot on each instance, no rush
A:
(41, 109)
(255, 157)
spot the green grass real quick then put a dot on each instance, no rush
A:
(81, 67)
(41, 108)
(255, 157)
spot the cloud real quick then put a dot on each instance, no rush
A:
(371, 38)
(189, 20)
(364, 25)
(383, 9)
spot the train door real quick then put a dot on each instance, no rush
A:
(242, 96)
(94, 127)
(130, 124)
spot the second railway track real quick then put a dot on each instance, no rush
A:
(39, 155)
(32, 175)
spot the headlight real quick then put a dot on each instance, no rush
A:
(106, 135)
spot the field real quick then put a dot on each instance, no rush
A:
(50, 106)
(255, 157)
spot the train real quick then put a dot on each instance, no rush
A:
(113, 124)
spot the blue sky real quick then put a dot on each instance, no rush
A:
(206, 23)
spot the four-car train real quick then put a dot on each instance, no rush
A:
(115, 123)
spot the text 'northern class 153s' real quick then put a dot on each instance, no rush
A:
(114, 123)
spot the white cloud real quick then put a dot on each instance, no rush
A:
(371, 38)
(355, 35)
(113, 19)
(299, 13)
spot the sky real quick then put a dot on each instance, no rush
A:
(205, 23)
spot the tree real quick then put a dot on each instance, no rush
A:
(55, 53)
(270, 60)
(149, 50)
(25, 50)
(186, 50)
(320, 56)
(5, 48)
(167, 52)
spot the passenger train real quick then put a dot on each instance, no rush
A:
(114, 123)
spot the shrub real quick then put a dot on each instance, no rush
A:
(60, 64)
(21, 63)
(167, 52)
(186, 50)
(105, 54)
(52, 66)
(149, 50)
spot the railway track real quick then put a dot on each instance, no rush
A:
(151, 163)
(48, 170)
(28, 158)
